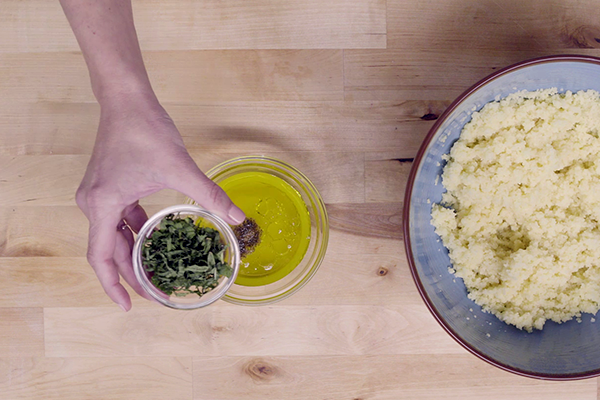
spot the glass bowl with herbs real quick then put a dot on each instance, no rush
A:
(284, 237)
(186, 257)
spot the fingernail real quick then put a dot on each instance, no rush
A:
(236, 215)
(122, 307)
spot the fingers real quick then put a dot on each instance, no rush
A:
(136, 217)
(208, 194)
(109, 253)
(101, 249)
(122, 258)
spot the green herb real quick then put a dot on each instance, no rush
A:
(184, 258)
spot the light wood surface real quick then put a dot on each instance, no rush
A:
(343, 89)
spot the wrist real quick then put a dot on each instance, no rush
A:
(113, 90)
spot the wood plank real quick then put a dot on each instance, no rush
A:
(261, 24)
(383, 377)
(33, 181)
(143, 378)
(4, 218)
(223, 329)
(364, 242)
(56, 282)
(372, 228)
(386, 179)
(44, 232)
(21, 332)
(367, 279)
(184, 76)
(493, 25)
(35, 26)
(379, 221)
(40, 25)
(307, 126)
(44, 128)
(246, 75)
(40, 127)
(39, 180)
(356, 279)
(61, 231)
(417, 74)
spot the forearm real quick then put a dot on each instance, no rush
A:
(106, 34)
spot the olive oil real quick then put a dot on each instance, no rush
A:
(283, 218)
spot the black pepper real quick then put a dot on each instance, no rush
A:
(248, 235)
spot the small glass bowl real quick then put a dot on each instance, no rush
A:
(319, 229)
(191, 301)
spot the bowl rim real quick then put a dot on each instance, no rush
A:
(406, 214)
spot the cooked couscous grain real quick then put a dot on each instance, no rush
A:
(521, 211)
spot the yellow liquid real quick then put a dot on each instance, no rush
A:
(282, 216)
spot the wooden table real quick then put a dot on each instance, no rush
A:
(343, 89)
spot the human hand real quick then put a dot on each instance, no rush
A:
(138, 151)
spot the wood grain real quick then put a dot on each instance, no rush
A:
(44, 232)
(61, 231)
(386, 179)
(383, 220)
(223, 330)
(421, 74)
(58, 128)
(33, 181)
(190, 76)
(345, 90)
(493, 25)
(40, 26)
(52, 282)
(21, 332)
(382, 377)
(140, 378)
(368, 279)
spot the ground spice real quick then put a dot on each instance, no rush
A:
(248, 234)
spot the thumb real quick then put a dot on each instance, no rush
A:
(207, 194)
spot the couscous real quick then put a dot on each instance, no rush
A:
(520, 214)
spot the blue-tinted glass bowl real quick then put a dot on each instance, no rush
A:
(560, 351)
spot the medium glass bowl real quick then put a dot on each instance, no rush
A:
(319, 229)
(560, 351)
(191, 301)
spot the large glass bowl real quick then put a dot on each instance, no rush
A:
(560, 351)
(207, 219)
(319, 229)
